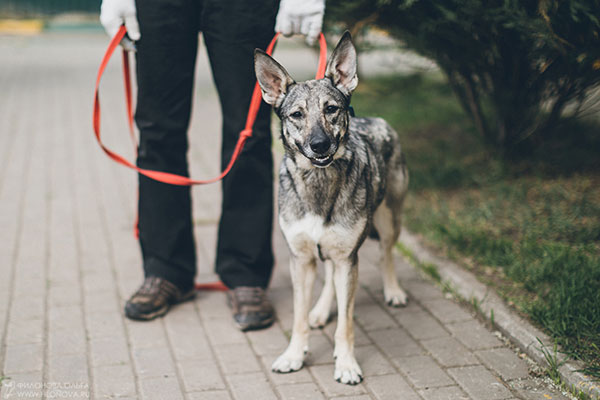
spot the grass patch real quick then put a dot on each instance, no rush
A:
(429, 269)
(530, 227)
(552, 359)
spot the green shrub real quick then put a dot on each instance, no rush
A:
(515, 65)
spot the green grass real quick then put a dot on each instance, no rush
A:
(552, 359)
(429, 269)
(529, 227)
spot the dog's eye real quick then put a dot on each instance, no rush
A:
(296, 114)
(331, 109)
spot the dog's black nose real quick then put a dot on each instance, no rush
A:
(320, 143)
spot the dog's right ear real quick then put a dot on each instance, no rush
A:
(341, 68)
(272, 78)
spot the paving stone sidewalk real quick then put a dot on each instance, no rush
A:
(68, 262)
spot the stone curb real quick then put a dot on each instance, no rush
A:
(516, 329)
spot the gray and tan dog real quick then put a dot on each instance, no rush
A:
(341, 179)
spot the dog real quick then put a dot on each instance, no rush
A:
(341, 179)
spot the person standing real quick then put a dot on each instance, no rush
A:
(164, 36)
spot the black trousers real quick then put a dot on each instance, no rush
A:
(166, 56)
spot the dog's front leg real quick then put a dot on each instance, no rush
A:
(345, 278)
(318, 316)
(303, 277)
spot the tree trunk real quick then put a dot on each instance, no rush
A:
(469, 101)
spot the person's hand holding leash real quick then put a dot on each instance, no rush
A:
(303, 17)
(114, 13)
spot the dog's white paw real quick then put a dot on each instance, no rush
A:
(347, 371)
(395, 297)
(318, 318)
(285, 364)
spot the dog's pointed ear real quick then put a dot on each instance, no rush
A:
(341, 68)
(272, 78)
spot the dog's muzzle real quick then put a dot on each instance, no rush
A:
(322, 149)
(320, 160)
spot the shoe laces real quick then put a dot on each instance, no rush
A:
(151, 285)
(155, 286)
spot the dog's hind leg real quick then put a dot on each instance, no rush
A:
(303, 271)
(388, 227)
(345, 278)
(318, 316)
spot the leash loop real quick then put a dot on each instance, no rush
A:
(167, 177)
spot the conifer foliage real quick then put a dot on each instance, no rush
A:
(515, 65)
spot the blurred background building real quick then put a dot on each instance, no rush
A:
(36, 8)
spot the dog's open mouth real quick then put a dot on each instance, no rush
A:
(321, 162)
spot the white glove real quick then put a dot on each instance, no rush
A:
(114, 13)
(300, 17)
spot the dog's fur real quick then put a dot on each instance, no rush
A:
(341, 179)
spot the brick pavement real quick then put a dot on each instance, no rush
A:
(68, 261)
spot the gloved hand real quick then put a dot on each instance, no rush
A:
(300, 17)
(113, 13)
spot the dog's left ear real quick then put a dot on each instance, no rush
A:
(341, 68)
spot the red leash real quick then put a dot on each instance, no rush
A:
(167, 177)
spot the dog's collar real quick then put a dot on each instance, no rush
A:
(351, 111)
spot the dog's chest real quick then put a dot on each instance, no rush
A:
(309, 231)
(311, 227)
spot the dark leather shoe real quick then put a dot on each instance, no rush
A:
(251, 308)
(154, 299)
